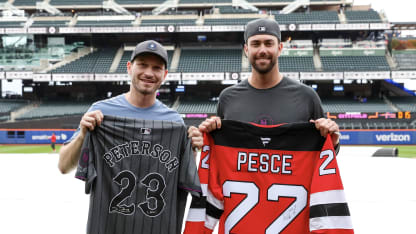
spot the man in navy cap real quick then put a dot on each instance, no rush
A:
(267, 97)
(147, 70)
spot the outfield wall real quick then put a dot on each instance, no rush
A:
(348, 137)
(378, 137)
(34, 136)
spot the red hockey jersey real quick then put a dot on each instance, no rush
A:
(269, 179)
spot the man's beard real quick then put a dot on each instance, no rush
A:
(263, 70)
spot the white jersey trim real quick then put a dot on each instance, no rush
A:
(213, 201)
(210, 222)
(330, 222)
(196, 215)
(204, 188)
(328, 197)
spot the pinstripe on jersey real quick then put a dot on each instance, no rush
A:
(138, 173)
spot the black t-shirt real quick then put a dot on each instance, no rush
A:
(287, 102)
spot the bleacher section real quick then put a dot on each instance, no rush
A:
(314, 17)
(139, 2)
(341, 105)
(269, 1)
(373, 124)
(406, 59)
(203, 1)
(121, 68)
(296, 64)
(233, 10)
(227, 21)
(7, 106)
(369, 16)
(101, 23)
(75, 2)
(12, 24)
(25, 2)
(404, 103)
(55, 109)
(49, 23)
(186, 107)
(148, 22)
(354, 63)
(97, 62)
(347, 105)
(210, 60)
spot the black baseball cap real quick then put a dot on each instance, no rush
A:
(262, 26)
(152, 47)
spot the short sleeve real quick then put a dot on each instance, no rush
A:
(86, 166)
(188, 177)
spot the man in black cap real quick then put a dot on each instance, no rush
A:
(147, 70)
(267, 97)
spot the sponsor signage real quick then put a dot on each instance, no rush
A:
(403, 74)
(351, 52)
(195, 28)
(401, 115)
(203, 76)
(42, 77)
(19, 75)
(367, 75)
(394, 137)
(297, 52)
(27, 136)
(73, 77)
(227, 28)
(321, 75)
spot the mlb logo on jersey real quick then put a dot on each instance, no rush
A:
(145, 131)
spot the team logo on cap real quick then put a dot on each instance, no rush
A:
(262, 29)
(152, 46)
(145, 131)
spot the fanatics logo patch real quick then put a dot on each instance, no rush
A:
(145, 131)
(262, 28)
(265, 140)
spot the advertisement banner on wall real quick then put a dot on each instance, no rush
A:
(34, 136)
(378, 137)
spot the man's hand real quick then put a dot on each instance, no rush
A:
(196, 137)
(326, 126)
(90, 120)
(210, 124)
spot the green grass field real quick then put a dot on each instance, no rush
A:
(404, 151)
(27, 149)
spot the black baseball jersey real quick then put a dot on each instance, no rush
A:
(138, 173)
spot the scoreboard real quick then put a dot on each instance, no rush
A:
(401, 115)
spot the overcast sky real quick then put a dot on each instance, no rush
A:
(396, 10)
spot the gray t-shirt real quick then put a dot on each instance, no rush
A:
(119, 106)
(138, 173)
(287, 102)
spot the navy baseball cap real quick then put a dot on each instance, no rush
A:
(262, 26)
(152, 47)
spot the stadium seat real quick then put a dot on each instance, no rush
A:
(210, 60)
(97, 62)
(369, 16)
(186, 107)
(406, 60)
(354, 63)
(314, 17)
(55, 109)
